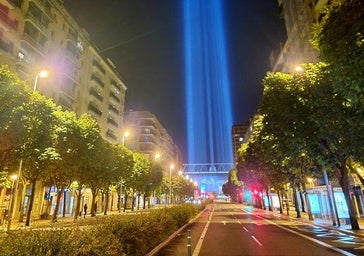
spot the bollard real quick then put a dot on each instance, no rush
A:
(189, 243)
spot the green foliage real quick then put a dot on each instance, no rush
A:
(340, 38)
(114, 235)
(13, 92)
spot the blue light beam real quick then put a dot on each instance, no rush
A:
(208, 99)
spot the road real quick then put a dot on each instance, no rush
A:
(234, 229)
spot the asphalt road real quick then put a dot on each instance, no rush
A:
(234, 229)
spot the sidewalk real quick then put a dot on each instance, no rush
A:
(326, 223)
(64, 221)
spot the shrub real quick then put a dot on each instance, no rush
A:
(114, 235)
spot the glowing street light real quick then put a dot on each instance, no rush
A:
(170, 183)
(157, 156)
(298, 69)
(41, 74)
(126, 134)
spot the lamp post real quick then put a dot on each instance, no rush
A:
(170, 183)
(126, 134)
(15, 179)
(41, 74)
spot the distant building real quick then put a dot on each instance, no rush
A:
(238, 132)
(299, 17)
(40, 34)
(148, 136)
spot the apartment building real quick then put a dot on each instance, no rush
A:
(40, 34)
(299, 17)
(238, 132)
(148, 136)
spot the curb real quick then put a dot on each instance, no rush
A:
(164, 243)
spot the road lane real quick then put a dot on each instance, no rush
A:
(233, 231)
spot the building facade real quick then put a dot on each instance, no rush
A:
(40, 34)
(238, 132)
(299, 17)
(148, 136)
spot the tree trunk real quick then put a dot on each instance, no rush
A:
(138, 199)
(106, 202)
(345, 185)
(310, 216)
(132, 201)
(297, 207)
(55, 213)
(93, 208)
(280, 202)
(125, 200)
(30, 208)
(78, 204)
(302, 200)
(270, 208)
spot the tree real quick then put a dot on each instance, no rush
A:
(36, 121)
(62, 170)
(124, 164)
(13, 93)
(304, 115)
(340, 39)
(154, 180)
(139, 177)
(86, 152)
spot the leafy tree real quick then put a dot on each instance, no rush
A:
(304, 116)
(13, 93)
(139, 177)
(340, 39)
(36, 121)
(155, 179)
(124, 164)
(87, 151)
(109, 173)
(63, 169)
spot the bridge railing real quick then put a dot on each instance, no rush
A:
(208, 168)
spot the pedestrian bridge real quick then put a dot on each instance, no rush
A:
(209, 176)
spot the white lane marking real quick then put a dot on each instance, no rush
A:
(307, 237)
(246, 229)
(224, 222)
(257, 241)
(200, 241)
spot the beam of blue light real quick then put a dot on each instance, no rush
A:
(208, 99)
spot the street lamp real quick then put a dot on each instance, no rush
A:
(41, 74)
(15, 179)
(170, 183)
(157, 156)
(126, 134)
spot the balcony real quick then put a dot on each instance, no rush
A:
(114, 109)
(115, 97)
(65, 102)
(96, 64)
(111, 120)
(72, 52)
(95, 77)
(110, 134)
(96, 94)
(94, 108)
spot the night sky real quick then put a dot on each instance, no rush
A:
(144, 39)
